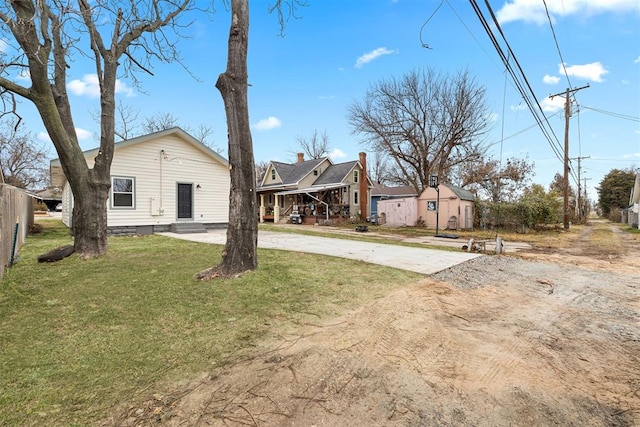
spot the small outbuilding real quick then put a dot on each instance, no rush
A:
(452, 206)
(384, 192)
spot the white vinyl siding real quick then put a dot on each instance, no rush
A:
(156, 178)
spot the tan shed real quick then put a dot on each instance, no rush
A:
(456, 211)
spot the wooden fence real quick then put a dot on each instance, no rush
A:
(16, 208)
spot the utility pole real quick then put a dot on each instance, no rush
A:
(579, 195)
(586, 198)
(567, 115)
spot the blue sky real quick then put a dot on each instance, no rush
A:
(329, 57)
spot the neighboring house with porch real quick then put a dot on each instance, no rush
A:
(315, 191)
(163, 181)
(452, 207)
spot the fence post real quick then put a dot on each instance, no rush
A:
(15, 241)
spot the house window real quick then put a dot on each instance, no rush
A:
(122, 192)
(273, 174)
(355, 176)
(355, 197)
(315, 172)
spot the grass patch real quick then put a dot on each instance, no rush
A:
(603, 241)
(82, 337)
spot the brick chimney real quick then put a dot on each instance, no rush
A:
(300, 157)
(364, 200)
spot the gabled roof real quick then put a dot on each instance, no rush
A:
(292, 173)
(57, 177)
(335, 174)
(396, 191)
(461, 192)
(458, 191)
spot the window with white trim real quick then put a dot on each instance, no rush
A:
(122, 192)
(355, 197)
(355, 176)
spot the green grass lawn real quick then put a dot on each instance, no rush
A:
(82, 338)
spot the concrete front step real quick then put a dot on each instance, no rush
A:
(187, 227)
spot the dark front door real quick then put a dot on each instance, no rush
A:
(185, 201)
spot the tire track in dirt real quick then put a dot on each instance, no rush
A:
(503, 351)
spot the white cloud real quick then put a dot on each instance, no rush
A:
(534, 11)
(631, 156)
(268, 123)
(637, 60)
(3, 45)
(551, 105)
(44, 136)
(550, 80)
(593, 71)
(336, 154)
(90, 86)
(370, 56)
(81, 134)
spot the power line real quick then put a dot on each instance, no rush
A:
(519, 78)
(423, 44)
(555, 39)
(617, 115)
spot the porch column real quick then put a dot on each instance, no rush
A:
(262, 208)
(276, 211)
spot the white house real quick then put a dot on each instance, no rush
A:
(163, 181)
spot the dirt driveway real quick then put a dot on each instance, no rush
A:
(553, 339)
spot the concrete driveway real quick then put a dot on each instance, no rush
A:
(425, 261)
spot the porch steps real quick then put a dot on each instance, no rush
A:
(187, 227)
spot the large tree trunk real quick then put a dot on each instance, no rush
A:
(240, 253)
(90, 187)
(90, 217)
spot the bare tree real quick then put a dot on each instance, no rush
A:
(43, 36)
(158, 122)
(162, 121)
(426, 123)
(22, 162)
(126, 121)
(495, 182)
(378, 168)
(316, 146)
(261, 169)
(128, 126)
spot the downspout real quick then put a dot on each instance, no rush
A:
(162, 158)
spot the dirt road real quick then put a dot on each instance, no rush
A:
(553, 339)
